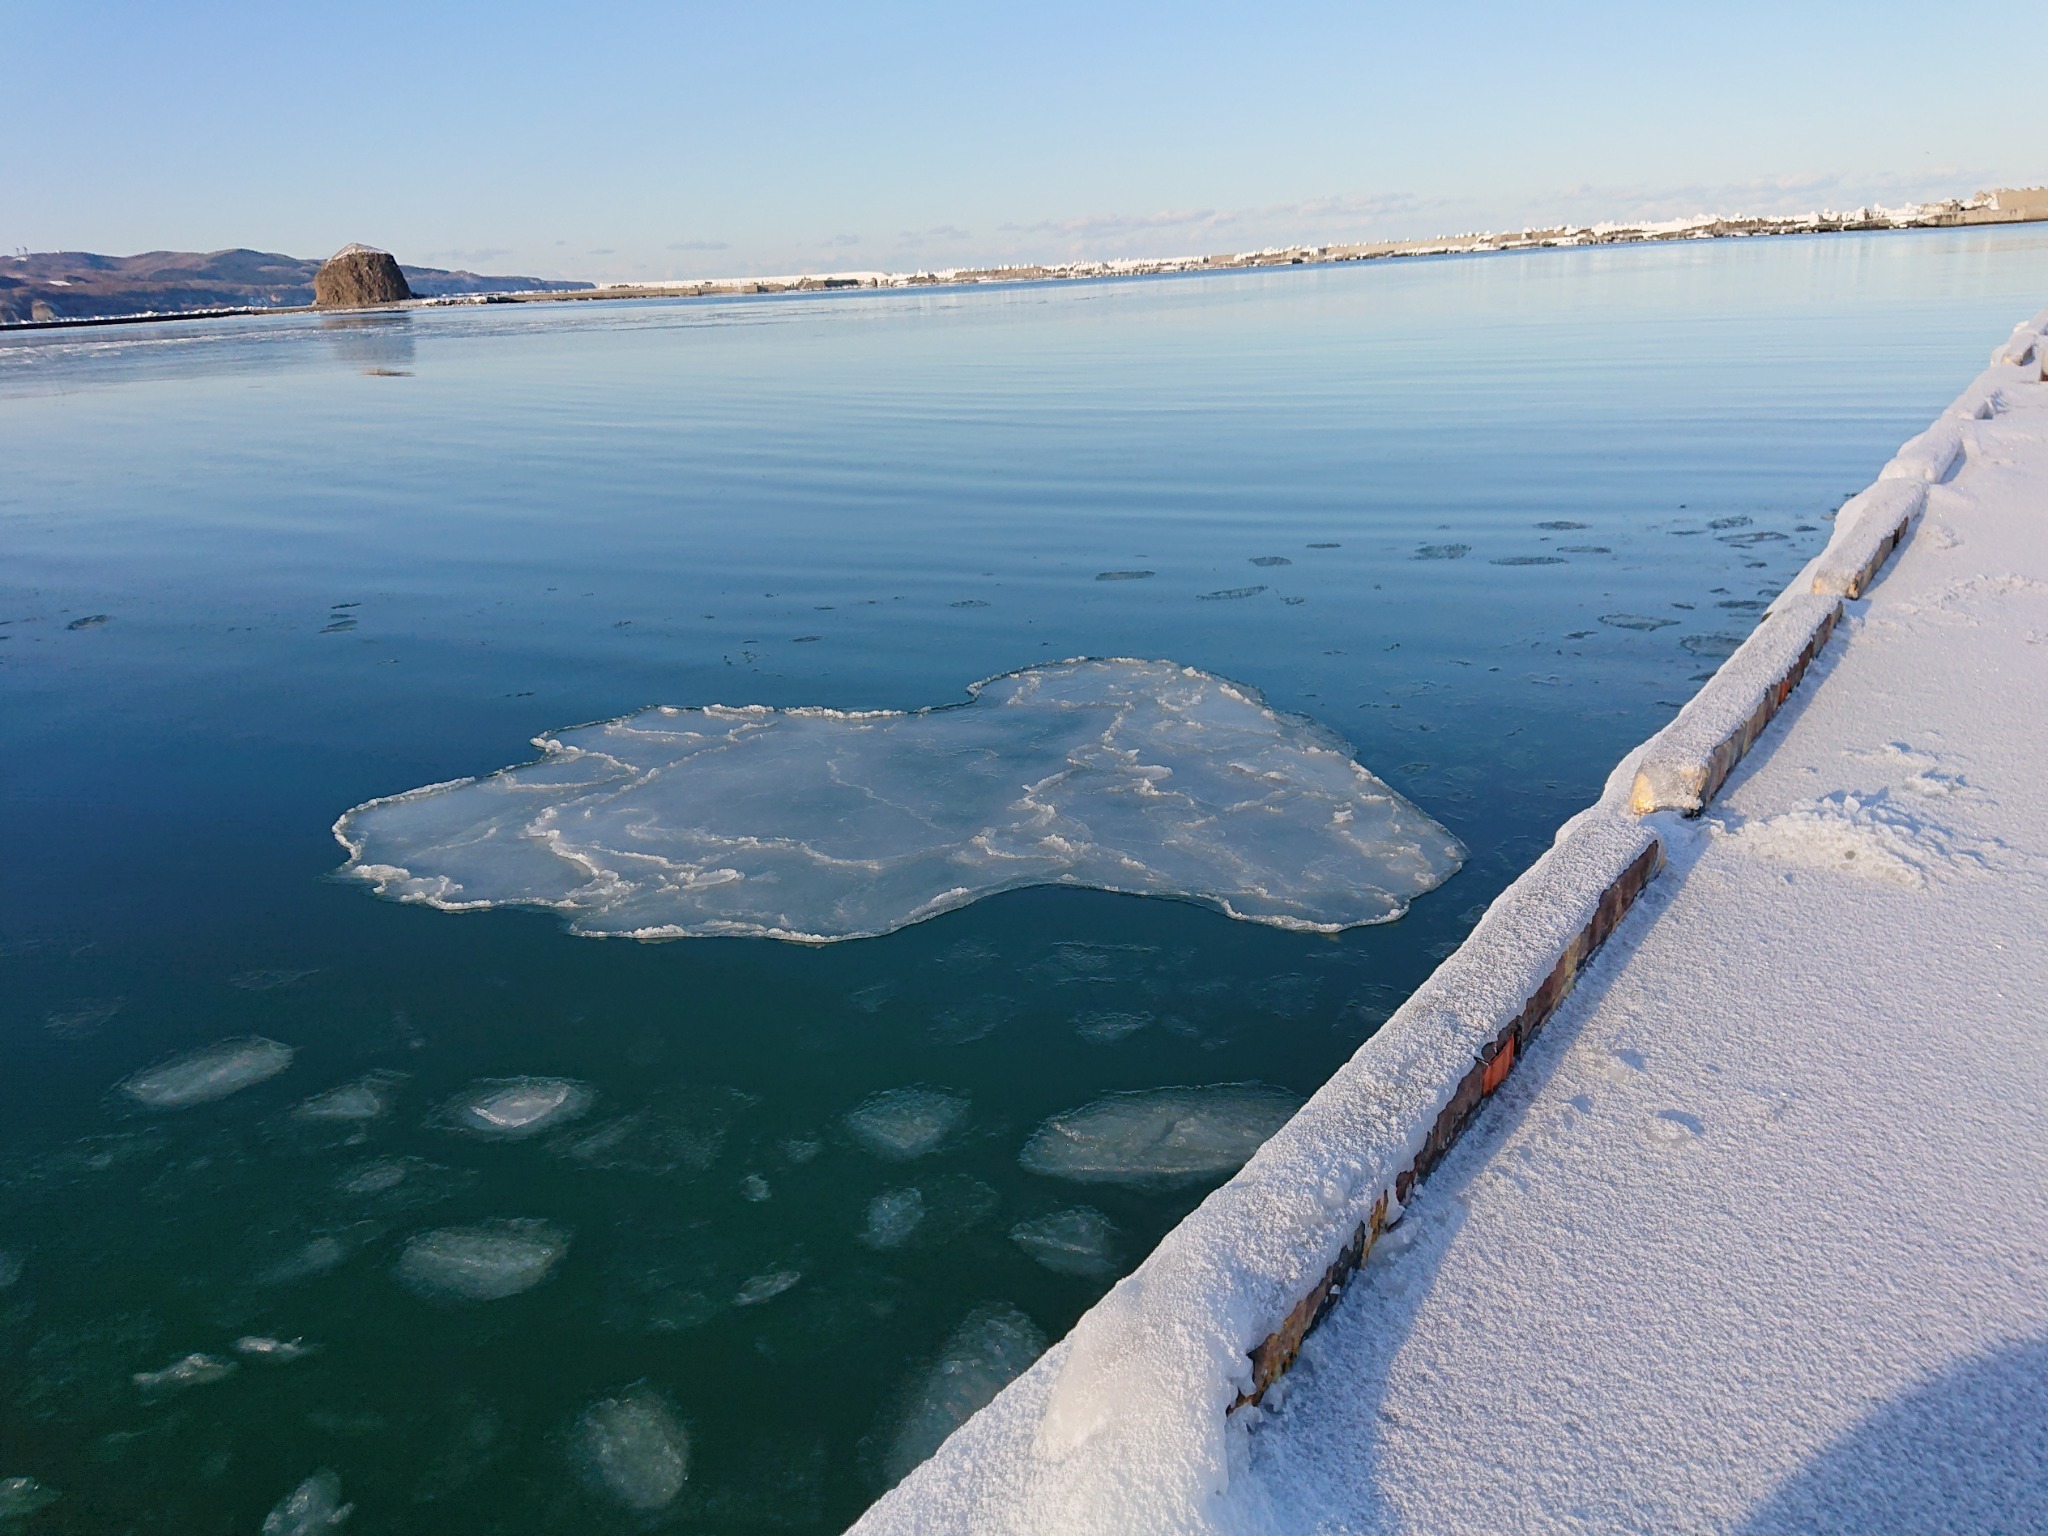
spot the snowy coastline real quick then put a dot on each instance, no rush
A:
(2001, 206)
(1127, 1425)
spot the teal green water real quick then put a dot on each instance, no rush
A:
(254, 573)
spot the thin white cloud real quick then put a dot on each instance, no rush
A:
(1793, 192)
(936, 232)
(464, 258)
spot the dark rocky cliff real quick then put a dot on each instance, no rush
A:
(78, 285)
(357, 277)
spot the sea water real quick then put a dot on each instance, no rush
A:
(316, 1206)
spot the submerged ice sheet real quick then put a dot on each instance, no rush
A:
(367, 1098)
(192, 1371)
(994, 1346)
(1081, 1241)
(209, 1073)
(1159, 1135)
(903, 1123)
(1135, 776)
(312, 1507)
(487, 1262)
(22, 1496)
(633, 1449)
(893, 1216)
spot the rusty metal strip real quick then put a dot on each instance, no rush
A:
(1732, 749)
(1858, 584)
(1275, 1354)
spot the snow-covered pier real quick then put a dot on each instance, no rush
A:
(1753, 1235)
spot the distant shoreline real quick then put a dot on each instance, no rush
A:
(2002, 207)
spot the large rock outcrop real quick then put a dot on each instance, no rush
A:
(357, 276)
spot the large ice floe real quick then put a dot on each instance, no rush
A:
(817, 824)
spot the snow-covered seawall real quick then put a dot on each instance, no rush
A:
(1143, 1418)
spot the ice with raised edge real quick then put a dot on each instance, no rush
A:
(276, 1351)
(633, 1448)
(904, 1123)
(816, 824)
(486, 1262)
(1159, 1135)
(312, 1507)
(1078, 1241)
(195, 1370)
(766, 1287)
(988, 1351)
(513, 1108)
(22, 1496)
(209, 1073)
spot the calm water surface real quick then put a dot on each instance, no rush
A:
(1488, 519)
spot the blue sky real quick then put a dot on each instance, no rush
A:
(644, 141)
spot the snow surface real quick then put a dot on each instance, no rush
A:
(1864, 527)
(1674, 771)
(817, 824)
(1756, 1237)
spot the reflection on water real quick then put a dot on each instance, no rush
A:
(379, 344)
(310, 1201)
